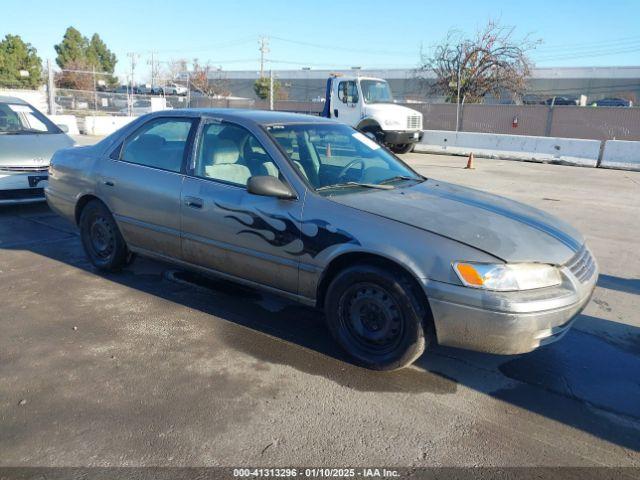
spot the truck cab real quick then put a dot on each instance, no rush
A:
(367, 104)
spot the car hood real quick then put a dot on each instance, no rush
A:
(506, 229)
(31, 150)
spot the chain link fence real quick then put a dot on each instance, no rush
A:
(599, 123)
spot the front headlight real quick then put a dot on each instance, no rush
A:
(507, 277)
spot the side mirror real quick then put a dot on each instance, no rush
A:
(63, 127)
(268, 186)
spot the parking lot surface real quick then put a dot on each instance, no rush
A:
(155, 367)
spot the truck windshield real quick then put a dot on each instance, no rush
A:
(376, 91)
(335, 157)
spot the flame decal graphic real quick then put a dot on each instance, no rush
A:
(325, 237)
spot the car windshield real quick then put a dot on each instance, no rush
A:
(20, 119)
(334, 157)
(376, 91)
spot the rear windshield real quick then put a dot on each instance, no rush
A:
(20, 119)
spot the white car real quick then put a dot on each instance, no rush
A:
(174, 89)
(28, 140)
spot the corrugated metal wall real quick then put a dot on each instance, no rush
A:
(601, 123)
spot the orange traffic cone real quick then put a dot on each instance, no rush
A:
(470, 162)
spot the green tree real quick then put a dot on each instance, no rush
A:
(17, 56)
(99, 55)
(72, 48)
(76, 52)
(261, 88)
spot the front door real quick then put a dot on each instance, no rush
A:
(348, 102)
(141, 182)
(229, 230)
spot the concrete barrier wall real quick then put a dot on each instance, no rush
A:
(37, 98)
(621, 154)
(70, 121)
(104, 125)
(567, 151)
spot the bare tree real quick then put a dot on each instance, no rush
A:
(490, 63)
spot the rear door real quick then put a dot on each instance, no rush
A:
(141, 182)
(226, 228)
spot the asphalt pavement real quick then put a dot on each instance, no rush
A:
(153, 366)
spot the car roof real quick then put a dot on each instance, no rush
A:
(7, 99)
(262, 117)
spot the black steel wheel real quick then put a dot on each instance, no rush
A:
(376, 316)
(101, 238)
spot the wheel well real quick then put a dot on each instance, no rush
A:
(368, 123)
(358, 258)
(81, 204)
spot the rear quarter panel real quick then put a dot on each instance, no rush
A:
(71, 176)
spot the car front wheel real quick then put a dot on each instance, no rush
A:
(101, 238)
(402, 148)
(376, 316)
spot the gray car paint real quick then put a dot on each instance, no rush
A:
(423, 228)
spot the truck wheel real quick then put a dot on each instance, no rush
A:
(101, 238)
(376, 317)
(402, 148)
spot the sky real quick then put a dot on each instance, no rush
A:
(326, 34)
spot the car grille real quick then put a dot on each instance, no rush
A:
(582, 265)
(21, 194)
(414, 122)
(33, 168)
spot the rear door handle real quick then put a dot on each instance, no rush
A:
(193, 202)
(109, 183)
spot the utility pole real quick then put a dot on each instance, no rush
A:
(270, 89)
(95, 89)
(264, 48)
(133, 58)
(50, 89)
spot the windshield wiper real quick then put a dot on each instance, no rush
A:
(397, 178)
(24, 132)
(354, 184)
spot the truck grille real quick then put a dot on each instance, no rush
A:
(414, 122)
(582, 265)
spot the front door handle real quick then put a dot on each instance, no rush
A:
(193, 202)
(109, 183)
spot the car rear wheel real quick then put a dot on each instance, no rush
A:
(376, 316)
(101, 238)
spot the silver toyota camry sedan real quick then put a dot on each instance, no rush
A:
(316, 211)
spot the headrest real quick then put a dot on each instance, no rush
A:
(149, 141)
(225, 151)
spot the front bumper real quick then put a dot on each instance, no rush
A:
(393, 137)
(22, 187)
(507, 322)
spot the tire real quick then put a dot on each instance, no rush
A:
(402, 148)
(375, 315)
(101, 238)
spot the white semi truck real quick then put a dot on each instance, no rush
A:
(366, 103)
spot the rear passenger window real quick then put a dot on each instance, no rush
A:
(161, 143)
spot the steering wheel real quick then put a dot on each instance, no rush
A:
(351, 164)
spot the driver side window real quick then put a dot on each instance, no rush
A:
(348, 92)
